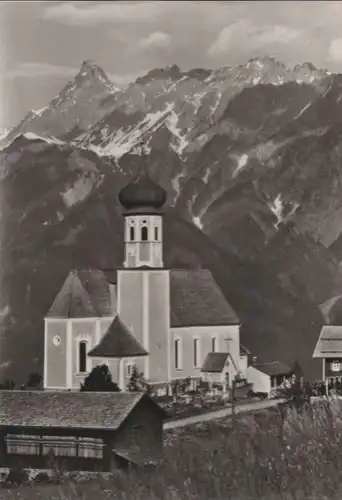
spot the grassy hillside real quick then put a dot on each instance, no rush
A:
(257, 457)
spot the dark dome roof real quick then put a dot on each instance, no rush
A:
(142, 193)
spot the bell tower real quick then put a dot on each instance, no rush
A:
(143, 240)
(142, 200)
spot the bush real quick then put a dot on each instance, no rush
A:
(17, 477)
(41, 478)
(100, 380)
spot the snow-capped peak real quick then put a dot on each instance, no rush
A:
(49, 140)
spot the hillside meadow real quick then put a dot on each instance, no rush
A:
(270, 455)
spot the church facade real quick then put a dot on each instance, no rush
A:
(174, 317)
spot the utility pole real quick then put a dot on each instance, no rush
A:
(233, 400)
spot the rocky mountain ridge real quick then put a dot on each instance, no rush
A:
(248, 154)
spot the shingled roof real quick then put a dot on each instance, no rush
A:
(84, 294)
(196, 300)
(214, 362)
(118, 342)
(88, 410)
(274, 368)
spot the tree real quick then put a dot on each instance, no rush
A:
(100, 380)
(34, 380)
(136, 380)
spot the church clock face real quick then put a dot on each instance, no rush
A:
(56, 340)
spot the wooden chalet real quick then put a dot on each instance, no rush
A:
(92, 431)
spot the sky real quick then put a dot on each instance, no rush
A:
(43, 44)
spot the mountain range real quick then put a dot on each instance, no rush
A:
(251, 158)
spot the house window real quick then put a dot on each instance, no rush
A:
(156, 235)
(82, 357)
(177, 354)
(59, 446)
(335, 366)
(144, 233)
(213, 344)
(22, 445)
(196, 341)
(90, 448)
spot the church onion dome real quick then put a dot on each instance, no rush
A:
(142, 194)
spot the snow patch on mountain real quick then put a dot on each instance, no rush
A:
(49, 140)
(217, 103)
(4, 133)
(196, 100)
(123, 141)
(242, 162)
(197, 221)
(277, 208)
(206, 175)
(39, 112)
(78, 192)
(175, 182)
(171, 123)
(174, 85)
(137, 150)
(303, 110)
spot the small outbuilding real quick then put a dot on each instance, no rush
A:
(92, 431)
(266, 377)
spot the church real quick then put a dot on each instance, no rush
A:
(170, 323)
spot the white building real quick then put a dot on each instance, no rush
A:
(175, 316)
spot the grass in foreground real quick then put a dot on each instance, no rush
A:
(257, 457)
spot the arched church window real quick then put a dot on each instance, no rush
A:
(82, 357)
(144, 230)
(131, 233)
(144, 233)
(156, 233)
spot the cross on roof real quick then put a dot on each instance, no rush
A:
(143, 156)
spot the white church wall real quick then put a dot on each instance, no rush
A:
(227, 340)
(143, 305)
(157, 317)
(55, 354)
(130, 306)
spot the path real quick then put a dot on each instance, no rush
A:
(225, 412)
